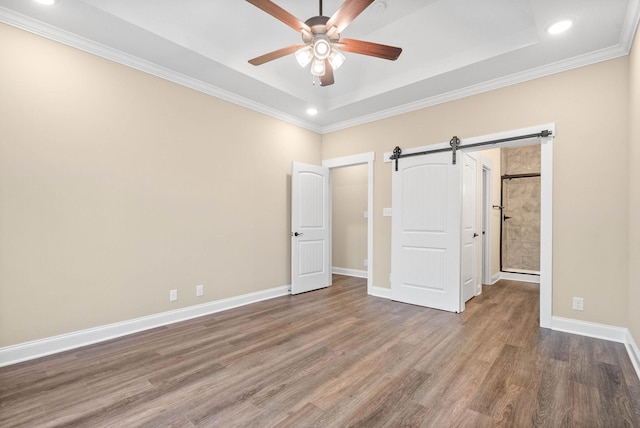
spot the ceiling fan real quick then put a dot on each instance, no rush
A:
(322, 44)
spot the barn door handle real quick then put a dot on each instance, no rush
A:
(298, 234)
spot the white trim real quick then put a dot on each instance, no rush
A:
(495, 278)
(52, 345)
(634, 352)
(601, 331)
(353, 160)
(602, 55)
(357, 273)
(546, 231)
(522, 277)
(384, 293)
(630, 26)
(589, 329)
(51, 32)
(486, 177)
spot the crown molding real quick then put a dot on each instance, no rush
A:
(513, 79)
(55, 34)
(630, 26)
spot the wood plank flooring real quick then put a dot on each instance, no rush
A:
(336, 358)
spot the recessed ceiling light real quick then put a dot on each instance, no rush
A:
(312, 111)
(46, 2)
(560, 26)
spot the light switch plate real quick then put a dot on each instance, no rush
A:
(387, 212)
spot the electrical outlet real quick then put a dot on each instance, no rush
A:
(366, 214)
(173, 295)
(199, 290)
(366, 263)
(578, 304)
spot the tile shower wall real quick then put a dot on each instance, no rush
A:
(521, 202)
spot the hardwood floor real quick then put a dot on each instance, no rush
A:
(336, 358)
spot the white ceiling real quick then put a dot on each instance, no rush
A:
(451, 48)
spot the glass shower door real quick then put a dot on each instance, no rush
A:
(520, 252)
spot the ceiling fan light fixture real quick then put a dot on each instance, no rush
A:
(321, 47)
(336, 58)
(318, 68)
(320, 36)
(304, 56)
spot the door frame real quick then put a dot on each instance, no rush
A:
(546, 198)
(344, 162)
(477, 287)
(487, 210)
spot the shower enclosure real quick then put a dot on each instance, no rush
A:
(521, 223)
(520, 202)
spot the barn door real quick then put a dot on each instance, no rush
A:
(426, 232)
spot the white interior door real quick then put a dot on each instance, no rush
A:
(469, 227)
(425, 254)
(310, 228)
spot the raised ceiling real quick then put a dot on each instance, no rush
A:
(451, 48)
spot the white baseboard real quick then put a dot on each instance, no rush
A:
(600, 331)
(590, 329)
(495, 278)
(349, 272)
(385, 293)
(523, 277)
(634, 353)
(51, 345)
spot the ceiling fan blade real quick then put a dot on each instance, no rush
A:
(369, 48)
(327, 79)
(275, 54)
(347, 12)
(280, 14)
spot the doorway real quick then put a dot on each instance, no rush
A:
(349, 214)
(366, 160)
(520, 202)
(514, 138)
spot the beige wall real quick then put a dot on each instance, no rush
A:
(116, 186)
(634, 194)
(589, 106)
(349, 202)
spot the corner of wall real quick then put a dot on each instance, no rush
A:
(634, 194)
